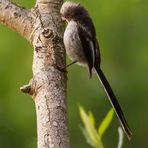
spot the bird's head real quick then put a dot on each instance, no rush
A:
(72, 11)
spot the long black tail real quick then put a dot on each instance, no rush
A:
(113, 100)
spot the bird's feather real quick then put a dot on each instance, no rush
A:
(89, 48)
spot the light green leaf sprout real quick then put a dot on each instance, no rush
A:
(92, 135)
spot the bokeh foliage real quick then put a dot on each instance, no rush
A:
(91, 132)
(122, 30)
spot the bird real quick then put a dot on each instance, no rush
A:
(82, 48)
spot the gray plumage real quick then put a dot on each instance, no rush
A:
(73, 44)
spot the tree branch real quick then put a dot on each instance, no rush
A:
(43, 28)
(16, 18)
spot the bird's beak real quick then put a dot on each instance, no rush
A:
(63, 19)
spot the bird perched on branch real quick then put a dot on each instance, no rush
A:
(82, 48)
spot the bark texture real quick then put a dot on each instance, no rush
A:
(43, 28)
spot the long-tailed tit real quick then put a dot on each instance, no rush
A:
(82, 48)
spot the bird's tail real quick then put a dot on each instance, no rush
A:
(113, 100)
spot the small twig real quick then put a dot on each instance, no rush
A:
(26, 88)
(121, 136)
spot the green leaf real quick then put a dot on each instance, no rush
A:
(91, 118)
(90, 132)
(105, 123)
(85, 133)
(88, 125)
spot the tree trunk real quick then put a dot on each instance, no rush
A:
(43, 28)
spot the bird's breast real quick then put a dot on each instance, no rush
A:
(73, 44)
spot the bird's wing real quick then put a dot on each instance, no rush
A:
(89, 46)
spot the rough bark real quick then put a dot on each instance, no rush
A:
(42, 27)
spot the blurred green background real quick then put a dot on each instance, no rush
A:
(122, 30)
